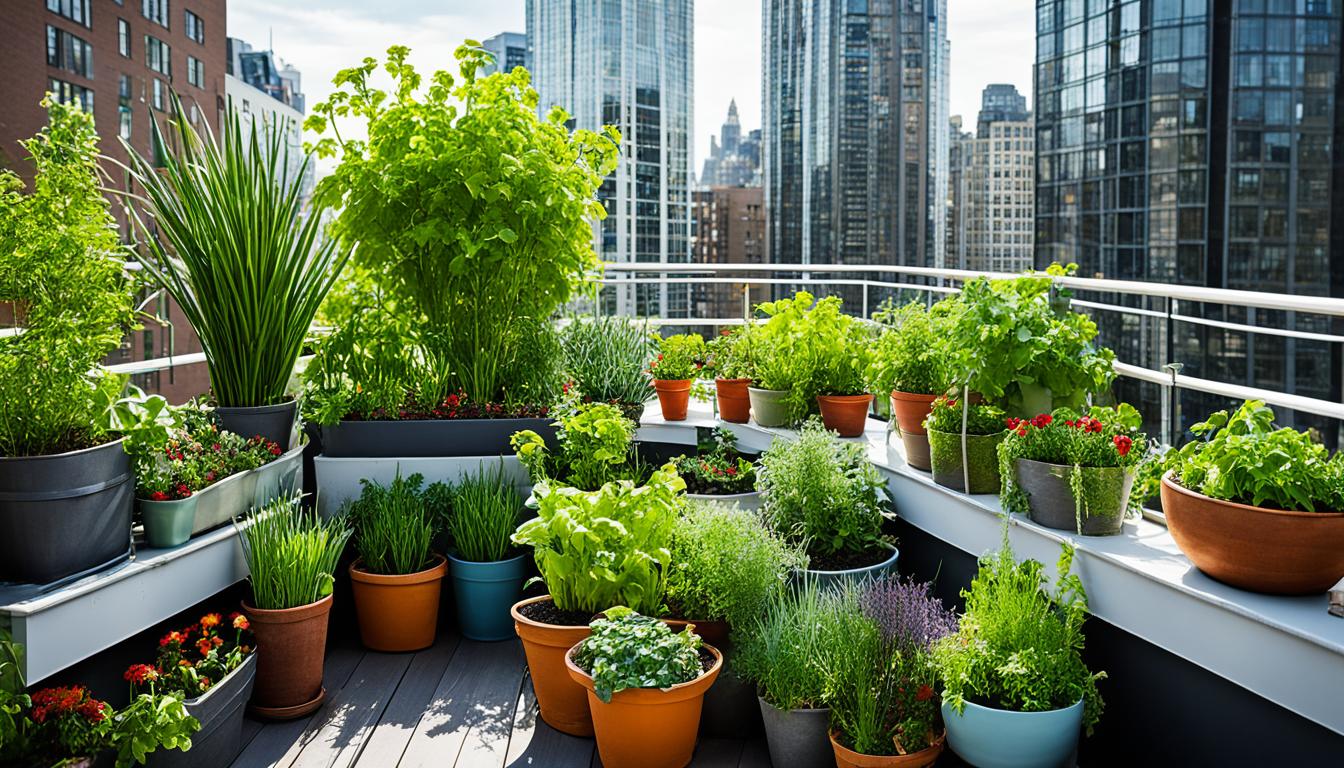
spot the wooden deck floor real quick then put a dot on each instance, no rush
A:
(460, 703)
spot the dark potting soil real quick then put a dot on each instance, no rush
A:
(848, 561)
(545, 612)
(706, 660)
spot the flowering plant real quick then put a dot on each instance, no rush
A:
(717, 469)
(679, 358)
(193, 454)
(193, 659)
(730, 354)
(981, 419)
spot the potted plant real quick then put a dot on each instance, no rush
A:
(781, 363)
(64, 474)
(291, 561)
(822, 493)
(211, 666)
(487, 570)
(397, 577)
(594, 550)
(1015, 689)
(1257, 507)
(605, 358)
(1072, 472)
(841, 353)
(594, 445)
(965, 459)
(718, 472)
(678, 363)
(911, 361)
(250, 292)
(882, 684)
(730, 364)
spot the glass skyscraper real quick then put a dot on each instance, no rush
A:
(1193, 142)
(628, 63)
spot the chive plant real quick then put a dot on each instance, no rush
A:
(291, 554)
(395, 526)
(485, 513)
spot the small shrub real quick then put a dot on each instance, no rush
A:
(606, 356)
(680, 357)
(782, 650)
(627, 650)
(717, 468)
(594, 446)
(911, 353)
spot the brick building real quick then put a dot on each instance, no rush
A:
(729, 229)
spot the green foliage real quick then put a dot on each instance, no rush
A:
(291, 555)
(726, 564)
(225, 233)
(1242, 458)
(627, 650)
(150, 722)
(945, 415)
(730, 354)
(911, 354)
(783, 650)
(597, 549)
(594, 447)
(809, 350)
(605, 356)
(485, 512)
(1018, 647)
(680, 357)
(475, 211)
(145, 421)
(63, 279)
(395, 525)
(822, 492)
(717, 468)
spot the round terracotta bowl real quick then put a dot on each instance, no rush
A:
(1273, 551)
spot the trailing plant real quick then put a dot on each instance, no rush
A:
(911, 352)
(291, 555)
(598, 549)
(627, 650)
(594, 446)
(945, 415)
(726, 564)
(226, 234)
(473, 209)
(485, 512)
(63, 282)
(717, 468)
(196, 658)
(822, 493)
(782, 650)
(605, 357)
(394, 527)
(679, 357)
(1018, 647)
(730, 354)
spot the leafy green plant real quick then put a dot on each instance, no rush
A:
(192, 660)
(822, 492)
(226, 235)
(782, 650)
(598, 549)
(291, 555)
(62, 278)
(730, 354)
(594, 446)
(605, 357)
(945, 415)
(680, 357)
(809, 350)
(1018, 647)
(474, 210)
(911, 352)
(726, 564)
(394, 526)
(627, 650)
(485, 512)
(717, 468)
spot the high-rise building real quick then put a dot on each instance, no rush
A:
(996, 192)
(855, 143)
(729, 229)
(959, 146)
(266, 91)
(264, 71)
(628, 63)
(1000, 102)
(1196, 142)
(734, 160)
(509, 49)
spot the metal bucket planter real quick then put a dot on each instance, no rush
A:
(981, 455)
(484, 593)
(168, 523)
(279, 478)
(1000, 738)
(767, 406)
(220, 712)
(428, 437)
(749, 501)
(224, 500)
(273, 422)
(66, 514)
(798, 738)
(826, 579)
(1052, 504)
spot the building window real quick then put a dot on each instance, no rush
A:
(195, 71)
(158, 94)
(156, 11)
(65, 51)
(74, 10)
(69, 93)
(195, 27)
(124, 105)
(158, 56)
(123, 38)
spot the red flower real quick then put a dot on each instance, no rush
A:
(1012, 422)
(1122, 444)
(924, 694)
(171, 638)
(211, 620)
(204, 646)
(238, 620)
(158, 496)
(1022, 431)
(93, 710)
(139, 674)
(451, 401)
(275, 449)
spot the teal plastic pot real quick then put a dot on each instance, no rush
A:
(1000, 738)
(484, 593)
(168, 523)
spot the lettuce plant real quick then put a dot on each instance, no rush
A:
(911, 354)
(627, 650)
(809, 348)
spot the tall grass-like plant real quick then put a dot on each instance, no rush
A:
(226, 235)
(607, 358)
(395, 525)
(783, 651)
(485, 513)
(291, 554)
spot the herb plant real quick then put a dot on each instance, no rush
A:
(717, 468)
(485, 512)
(594, 446)
(730, 354)
(627, 650)
(679, 358)
(394, 527)
(946, 413)
(598, 549)
(606, 358)
(809, 350)
(291, 555)
(782, 649)
(911, 352)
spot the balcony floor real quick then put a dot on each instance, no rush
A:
(460, 703)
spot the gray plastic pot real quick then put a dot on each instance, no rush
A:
(220, 712)
(825, 579)
(427, 437)
(273, 422)
(767, 406)
(1051, 502)
(798, 738)
(65, 515)
(221, 502)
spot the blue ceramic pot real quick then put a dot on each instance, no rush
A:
(1000, 738)
(484, 593)
(168, 523)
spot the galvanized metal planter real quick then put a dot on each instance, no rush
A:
(1052, 503)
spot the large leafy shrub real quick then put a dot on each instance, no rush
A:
(474, 210)
(62, 277)
(627, 650)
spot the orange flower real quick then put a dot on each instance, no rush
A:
(240, 622)
(210, 620)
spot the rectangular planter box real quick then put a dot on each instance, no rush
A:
(427, 438)
(338, 480)
(220, 711)
(281, 477)
(237, 494)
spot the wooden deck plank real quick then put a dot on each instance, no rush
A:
(388, 741)
(353, 712)
(717, 753)
(534, 743)
(754, 754)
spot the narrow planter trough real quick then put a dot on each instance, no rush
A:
(398, 613)
(281, 477)
(428, 437)
(484, 593)
(798, 738)
(273, 422)
(825, 579)
(220, 713)
(767, 406)
(999, 738)
(220, 502)
(982, 455)
(167, 523)
(1052, 504)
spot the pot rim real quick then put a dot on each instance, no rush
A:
(1070, 466)
(1169, 480)
(895, 554)
(971, 704)
(705, 679)
(846, 399)
(250, 658)
(767, 703)
(742, 495)
(669, 382)
(763, 391)
(288, 615)
(66, 455)
(915, 397)
(935, 748)
(271, 407)
(181, 502)
(739, 380)
(433, 573)
(521, 619)
(517, 557)
(969, 436)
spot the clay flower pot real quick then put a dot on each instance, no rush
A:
(845, 414)
(848, 758)
(910, 410)
(647, 727)
(734, 402)
(673, 396)
(398, 613)
(291, 646)
(1263, 550)
(562, 701)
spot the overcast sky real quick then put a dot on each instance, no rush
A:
(992, 41)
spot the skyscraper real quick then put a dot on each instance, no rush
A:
(1194, 142)
(855, 142)
(628, 63)
(266, 91)
(959, 146)
(734, 161)
(510, 50)
(994, 172)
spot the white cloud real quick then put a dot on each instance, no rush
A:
(993, 41)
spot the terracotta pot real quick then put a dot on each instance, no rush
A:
(734, 402)
(848, 758)
(647, 727)
(910, 410)
(562, 701)
(673, 397)
(846, 414)
(291, 646)
(398, 613)
(1262, 550)
(713, 633)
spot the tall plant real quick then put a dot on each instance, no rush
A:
(394, 526)
(485, 512)
(605, 356)
(473, 208)
(227, 236)
(291, 556)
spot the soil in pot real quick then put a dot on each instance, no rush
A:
(547, 634)
(168, 523)
(848, 758)
(982, 455)
(838, 567)
(674, 395)
(483, 593)
(734, 402)
(398, 613)
(291, 647)
(767, 406)
(845, 414)
(1052, 504)
(797, 737)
